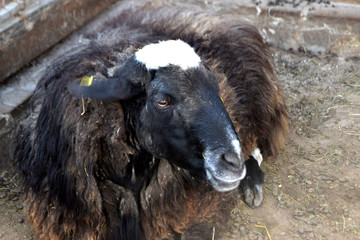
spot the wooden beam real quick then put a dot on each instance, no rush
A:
(37, 30)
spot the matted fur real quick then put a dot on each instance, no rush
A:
(71, 161)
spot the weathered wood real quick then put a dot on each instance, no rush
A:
(37, 30)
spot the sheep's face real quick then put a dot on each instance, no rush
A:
(185, 122)
(181, 117)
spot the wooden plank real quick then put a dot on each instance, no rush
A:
(35, 32)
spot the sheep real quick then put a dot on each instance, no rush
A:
(150, 126)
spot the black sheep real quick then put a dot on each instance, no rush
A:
(157, 141)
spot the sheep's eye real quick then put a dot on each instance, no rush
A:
(162, 103)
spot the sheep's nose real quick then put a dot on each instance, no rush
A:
(232, 160)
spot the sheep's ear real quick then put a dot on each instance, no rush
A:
(128, 81)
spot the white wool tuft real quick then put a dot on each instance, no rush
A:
(257, 155)
(164, 53)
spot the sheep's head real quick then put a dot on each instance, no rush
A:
(181, 117)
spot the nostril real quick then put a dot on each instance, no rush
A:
(232, 159)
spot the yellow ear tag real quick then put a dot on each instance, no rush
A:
(222, 99)
(86, 81)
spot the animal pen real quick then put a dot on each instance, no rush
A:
(311, 189)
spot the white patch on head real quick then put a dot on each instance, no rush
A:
(165, 53)
(257, 155)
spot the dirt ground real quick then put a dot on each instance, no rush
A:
(312, 189)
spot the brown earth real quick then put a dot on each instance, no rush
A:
(312, 189)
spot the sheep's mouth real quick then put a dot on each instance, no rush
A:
(227, 183)
(225, 167)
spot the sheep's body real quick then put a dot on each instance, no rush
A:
(86, 175)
